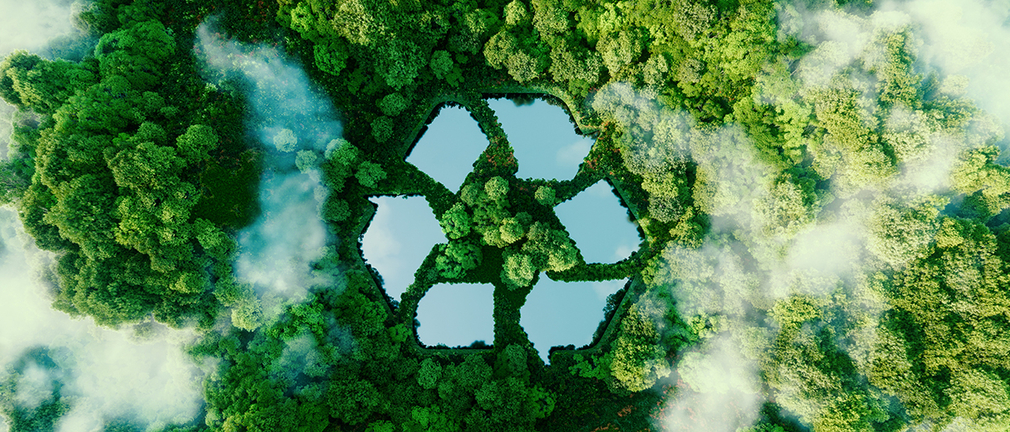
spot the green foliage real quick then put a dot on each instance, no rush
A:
(519, 270)
(331, 56)
(135, 52)
(715, 123)
(336, 210)
(429, 374)
(457, 257)
(637, 361)
(286, 141)
(393, 104)
(382, 128)
(369, 174)
(29, 82)
(505, 50)
(455, 222)
(902, 235)
(515, 13)
(195, 145)
(551, 249)
(546, 196)
(444, 68)
(496, 188)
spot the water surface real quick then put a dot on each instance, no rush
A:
(543, 138)
(456, 315)
(599, 225)
(401, 234)
(450, 146)
(564, 313)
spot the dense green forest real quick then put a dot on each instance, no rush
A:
(825, 242)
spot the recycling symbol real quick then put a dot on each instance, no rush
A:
(501, 230)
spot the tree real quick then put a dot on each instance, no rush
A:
(331, 56)
(444, 68)
(195, 145)
(336, 209)
(550, 249)
(29, 82)
(546, 196)
(369, 174)
(429, 374)
(901, 235)
(515, 13)
(457, 257)
(513, 229)
(285, 140)
(382, 128)
(518, 271)
(505, 50)
(393, 104)
(455, 222)
(620, 49)
(637, 361)
(135, 52)
(496, 188)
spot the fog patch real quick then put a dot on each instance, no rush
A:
(766, 242)
(840, 39)
(283, 99)
(46, 28)
(966, 42)
(125, 379)
(968, 38)
(105, 374)
(927, 155)
(34, 386)
(295, 125)
(276, 251)
(7, 113)
(718, 390)
(299, 357)
(31, 25)
(932, 173)
(834, 250)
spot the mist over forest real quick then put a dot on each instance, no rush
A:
(819, 188)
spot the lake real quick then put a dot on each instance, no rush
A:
(546, 145)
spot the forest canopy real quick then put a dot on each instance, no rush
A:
(822, 209)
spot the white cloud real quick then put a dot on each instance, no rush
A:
(967, 38)
(832, 248)
(282, 96)
(718, 391)
(623, 251)
(276, 252)
(30, 25)
(109, 374)
(34, 386)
